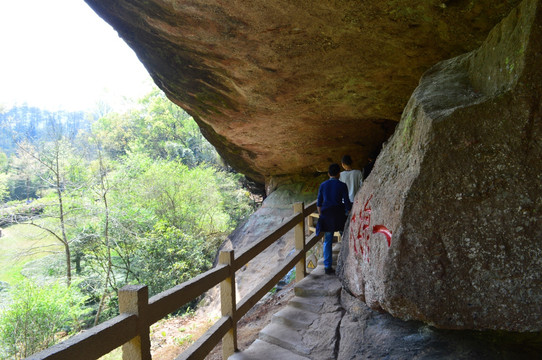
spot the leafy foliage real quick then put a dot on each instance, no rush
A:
(159, 129)
(182, 255)
(31, 322)
(4, 189)
(4, 162)
(141, 197)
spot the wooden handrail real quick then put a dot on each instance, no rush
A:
(95, 342)
(313, 240)
(131, 328)
(259, 246)
(203, 346)
(311, 208)
(172, 299)
(267, 284)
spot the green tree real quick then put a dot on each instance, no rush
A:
(37, 313)
(4, 188)
(189, 209)
(24, 176)
(4, 162)
(188, 199)
(102, 189)
(157, 128)
(183, 255)
(114, 132)
(4, 177)
(60, 166)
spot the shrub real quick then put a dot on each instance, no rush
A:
(32, 321)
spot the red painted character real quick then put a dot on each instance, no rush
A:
(364, 231)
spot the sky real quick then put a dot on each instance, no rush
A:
(59, 54)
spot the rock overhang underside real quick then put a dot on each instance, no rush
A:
(282, 87)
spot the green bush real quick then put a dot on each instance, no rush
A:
(37, 314)
(176, 257)
(4, 188)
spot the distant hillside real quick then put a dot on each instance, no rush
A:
(24, 122)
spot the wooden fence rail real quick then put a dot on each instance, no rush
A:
(130, 329)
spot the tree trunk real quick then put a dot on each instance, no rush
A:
(62, 221)
(106, 238)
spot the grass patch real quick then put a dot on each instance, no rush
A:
(21, 244)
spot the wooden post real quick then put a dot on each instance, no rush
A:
(228, 304)
(300, 267)
(134, 299)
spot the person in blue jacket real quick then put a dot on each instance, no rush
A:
(333, 204)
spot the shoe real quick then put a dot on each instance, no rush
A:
(330, 271)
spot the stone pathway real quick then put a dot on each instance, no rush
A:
(301, 331)
(315, 326)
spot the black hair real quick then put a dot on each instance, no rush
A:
(334, 169)
(347, 160)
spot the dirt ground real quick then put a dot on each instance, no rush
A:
(170, 337)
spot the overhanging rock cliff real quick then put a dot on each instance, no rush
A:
(447, 229)
(459, 187)
(284, 87)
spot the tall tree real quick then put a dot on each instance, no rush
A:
(57, 159)
(102, 190)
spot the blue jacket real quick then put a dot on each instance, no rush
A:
(335, 205)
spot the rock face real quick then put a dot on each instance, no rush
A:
(448, 228)
(368, 334)
(284, 87)
(275, 209)
(458, 191)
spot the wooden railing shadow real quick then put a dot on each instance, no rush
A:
(130, 329)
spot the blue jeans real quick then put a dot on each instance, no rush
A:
(328, 254)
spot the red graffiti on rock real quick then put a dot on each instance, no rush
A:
(381, 229)
(361, 231)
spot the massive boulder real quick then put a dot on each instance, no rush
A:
(448, 227)
(284, 87)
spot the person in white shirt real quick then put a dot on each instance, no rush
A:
(352, 178)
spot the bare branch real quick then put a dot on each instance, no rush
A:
(48, 230)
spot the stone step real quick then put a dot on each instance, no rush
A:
(318, 284)
(333, 259)
(312, 304)
(260, 349)
(294, 317)
(295, 332)
(285, 337)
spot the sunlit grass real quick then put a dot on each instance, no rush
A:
(20, 244)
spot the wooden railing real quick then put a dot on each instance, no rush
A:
(137, 312)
